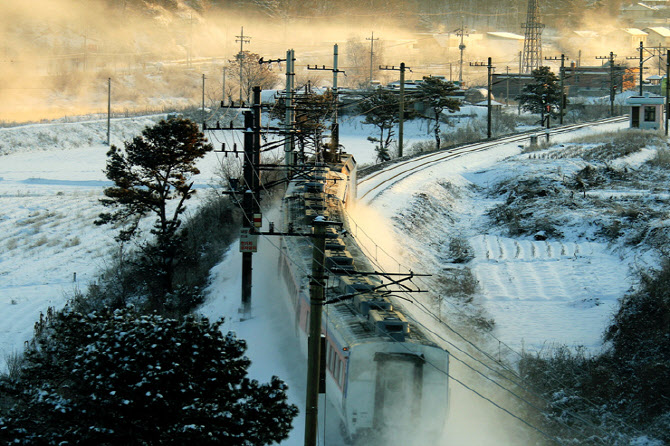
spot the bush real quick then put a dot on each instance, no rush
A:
(207, 233)
(119, 377)
(629, 384)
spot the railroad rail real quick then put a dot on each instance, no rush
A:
(405, 168)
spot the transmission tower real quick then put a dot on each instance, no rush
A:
(532, 42)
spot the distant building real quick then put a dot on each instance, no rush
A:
(638, 14)
(504, 42)
(578, 81)
(658, 36)
(628, 37)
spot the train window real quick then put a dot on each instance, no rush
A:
(331, 359)
(337, 370)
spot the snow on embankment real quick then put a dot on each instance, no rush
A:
(51, 180)
(66, 136)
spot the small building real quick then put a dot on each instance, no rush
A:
(631, 37)
(508, 44)
(638, 13)
(646, 112)
(658, 36)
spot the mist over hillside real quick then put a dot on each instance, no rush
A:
(57, 57)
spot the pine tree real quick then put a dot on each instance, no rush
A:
(381, 110)
(122, 378)
(542, 95)
(153, 175)
(437, 95)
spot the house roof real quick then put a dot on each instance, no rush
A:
(504, 35)
(665, 32)
(639, 7)
(635, 31)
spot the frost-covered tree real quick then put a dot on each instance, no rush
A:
(153, 175)
(542, 95)
(381, 110)
(122, 378)
(437, 95)
(253, 73)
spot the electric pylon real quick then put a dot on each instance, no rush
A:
(532, 42)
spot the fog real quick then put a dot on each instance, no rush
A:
(57, 55)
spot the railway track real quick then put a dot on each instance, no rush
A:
(379, 181)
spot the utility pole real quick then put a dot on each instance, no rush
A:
(316, 298)
(247, 206)
(240, 56)
(401, 117)
(252, 125)
(488, 99)
(667, 90)
(489, 108)
(461, 32)
(335, 129)
(561, 104)
(289, 117)
(612, 84)
(507, 86)
(401, 111)
(641, 67)
(223, 86)
(289, 109)
(203, 100)
(109, 110)
(372, 53)
(642, 61)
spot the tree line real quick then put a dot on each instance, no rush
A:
(423, 14)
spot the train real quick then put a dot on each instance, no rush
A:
(386, 377)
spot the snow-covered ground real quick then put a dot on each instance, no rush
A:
(51, 179)
(537, 292)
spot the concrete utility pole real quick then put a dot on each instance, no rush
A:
(316, 297)
(240, 56)
(561, 104)
(372, 54)
(612, 84)
(109, 110)
(203, 100)
(461, 32)
(667, 90)
(247, 205)
(401, 111)
(223, 86)
(489, 107)
(641, 67)
(250, 201)
(288, 117)
(488, 100)
(401, 117)
(507, 86)
(335, 129)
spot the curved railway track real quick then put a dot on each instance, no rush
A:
(401, 170)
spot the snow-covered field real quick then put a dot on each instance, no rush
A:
(536, 291)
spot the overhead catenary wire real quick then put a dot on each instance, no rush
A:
(486, 377)
(455, 358)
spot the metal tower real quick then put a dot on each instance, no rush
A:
(532, 42)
